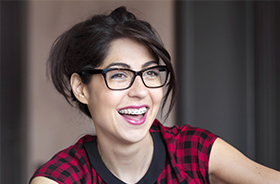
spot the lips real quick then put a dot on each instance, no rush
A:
(135, 115)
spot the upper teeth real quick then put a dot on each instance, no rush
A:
(142, 110)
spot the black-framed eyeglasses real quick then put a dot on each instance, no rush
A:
(122, 78)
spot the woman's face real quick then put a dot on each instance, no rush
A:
(107, 107)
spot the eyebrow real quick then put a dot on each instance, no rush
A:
(118, 64)
(127, 66)
(149, 63)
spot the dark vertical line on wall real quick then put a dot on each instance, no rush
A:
(266, 122)
(0, 93)
(12, 62)
(277, 71)
(185, 62)
(24, 24)
(250, 72)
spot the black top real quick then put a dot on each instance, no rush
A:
(150, 177)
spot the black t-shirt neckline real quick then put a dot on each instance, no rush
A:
(152, 174)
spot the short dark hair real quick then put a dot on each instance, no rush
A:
(86, 45)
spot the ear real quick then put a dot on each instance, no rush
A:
(79, 89)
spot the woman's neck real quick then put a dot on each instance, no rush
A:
(128, 162)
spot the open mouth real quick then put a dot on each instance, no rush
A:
(133, 113)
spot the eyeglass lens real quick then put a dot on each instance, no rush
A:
(121, 79)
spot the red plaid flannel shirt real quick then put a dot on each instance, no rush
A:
(186, 161)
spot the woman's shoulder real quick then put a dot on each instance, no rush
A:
(68, 164)
(74, 153)
(183, 132)
(186, 137)
(188, 148)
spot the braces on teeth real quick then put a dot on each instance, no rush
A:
(142, 110)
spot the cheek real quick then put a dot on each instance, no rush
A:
(100, 96)
(103, 103)
(156, 95)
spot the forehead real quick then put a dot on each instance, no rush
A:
(128, 51)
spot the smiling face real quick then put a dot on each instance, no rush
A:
(125, 115)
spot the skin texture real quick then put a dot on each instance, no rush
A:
(228, 166)
(42, 180)
(121, 144)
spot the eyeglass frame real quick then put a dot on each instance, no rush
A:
(136, 73)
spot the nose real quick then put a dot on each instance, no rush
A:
(138, 89)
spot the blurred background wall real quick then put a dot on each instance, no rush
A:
(227, 53)
(227, 63)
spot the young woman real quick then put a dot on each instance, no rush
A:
(113, 67)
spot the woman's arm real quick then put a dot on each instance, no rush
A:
(228, 165)
(42, 180)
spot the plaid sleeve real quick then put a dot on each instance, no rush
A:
(68, 166)
(188, 151)
(195, 147)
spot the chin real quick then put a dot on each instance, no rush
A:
(135, 137)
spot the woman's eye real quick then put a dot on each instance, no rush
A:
(151, 73)
(118, 75)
